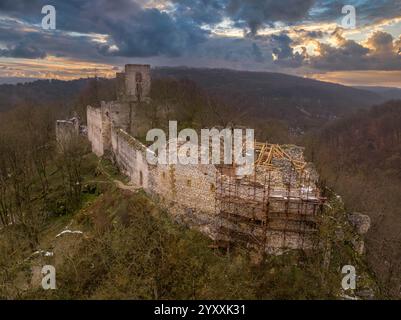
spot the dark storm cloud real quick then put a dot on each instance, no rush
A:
(131, 30)
(23, 50)
(282, 46)
(35, 43)
(200, 11)
(135, 31)
(250, 14)
(257, 13)
(151, 33)
(283, 51)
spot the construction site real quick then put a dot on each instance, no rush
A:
(274, 209)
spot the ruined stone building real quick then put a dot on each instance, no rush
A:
(68, 129)
(274, 209)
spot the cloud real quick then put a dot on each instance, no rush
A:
(381, 43)
(280, 49)
(23, 50)
(309, 34)
(379, 53)
(36, 43)
(368, 12)
(130, 29)
(257, 13)
(149, 30)
(208, 12)
(247, 14)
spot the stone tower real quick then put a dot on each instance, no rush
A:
(133, 90)
(133, 85)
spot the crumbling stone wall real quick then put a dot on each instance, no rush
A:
(113, 114)
(66, 129)
(95, 130)
(188, 192)
(116, 113)
(130, 156)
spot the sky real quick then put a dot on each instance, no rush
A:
(302, 37)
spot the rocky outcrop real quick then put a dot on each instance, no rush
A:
(360, 222)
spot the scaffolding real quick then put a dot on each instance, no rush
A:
(257, 212)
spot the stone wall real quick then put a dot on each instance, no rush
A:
(117, 114)
(130, 156)
(95, 130)
(101, 120)
(66, 129)
(188, 193)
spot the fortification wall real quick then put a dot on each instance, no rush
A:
(130, 156)
(186, 191)
(95, 130)
(117, 113)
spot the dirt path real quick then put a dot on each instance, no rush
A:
(119, 184)
(124, 186)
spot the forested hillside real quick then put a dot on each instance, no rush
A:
(57, 94)
(300, 101)
(360, 157)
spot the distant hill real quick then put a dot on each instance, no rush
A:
(278, 95)
(302, 103)
(15, 80)
(387, 93)
(59, 94)
(40, 93)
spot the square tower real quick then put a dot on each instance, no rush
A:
(133, 85)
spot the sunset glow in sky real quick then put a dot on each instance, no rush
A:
(301, 37)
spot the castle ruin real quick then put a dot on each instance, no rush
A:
(274, 209)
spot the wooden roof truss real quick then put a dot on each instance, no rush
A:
(265, 152)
